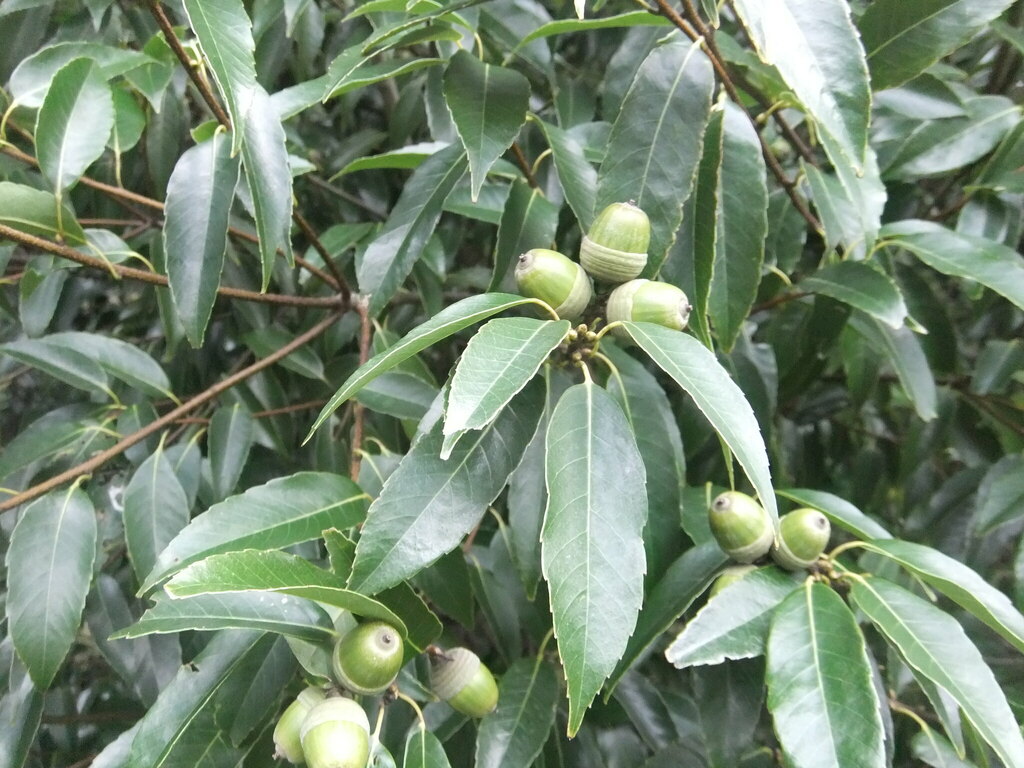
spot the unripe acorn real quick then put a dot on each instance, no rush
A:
(803, 536)
(649, 301)
(615, 247)
(465, 682)
(730, 576)
(336, 734)
(367, 659)
(286, 732)
(556, 280)
(741, 526)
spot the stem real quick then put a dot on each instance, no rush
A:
(524, 165)
(358, 411)
(412, 703)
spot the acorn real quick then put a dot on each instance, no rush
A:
(336, 734)
(460, 678)
(803, 536)
(367, 659)
(730, 576)
(741, 526)
(286, 732)
(556, 280)
(649, 301)
(615, 248)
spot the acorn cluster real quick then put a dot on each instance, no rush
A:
(613, 253)
(744, 531)
(334, 732)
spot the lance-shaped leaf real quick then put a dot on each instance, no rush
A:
(230, 438)
(442, 325)
(155, 510)
(225, 35)
(992, 264)
(592, 549)
(528, 221)
(903, 351)
(515, 732)
(280, 513)
(1001, 493)
(815, 47)
(424, 750)
(269, 612)
(618, 21)
(839, 511)
(959, 583)
(734, 623)
(934, 750)
(654, 145)
(742, 224)
(934, 643)
(120, 359)
(576, 175)
(253, 571)
(698, 372)
(199, 195)
(390, 257)
(34, 211)
(497, 363)
(67, 365)
(78, 96)
(903, 39)
(862, 287)
(488, 104)
(428, 504)
(49, 569)
(820, 691)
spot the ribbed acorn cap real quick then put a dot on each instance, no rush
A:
(649, 301)
(556, 280)
(334, 710)
(449, 675)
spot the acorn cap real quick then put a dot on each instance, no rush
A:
(615, 247)
(741, 526)
(465, 682)
(286, 733)
(556, 280)
(803, 536)
(367, 659)
(336, 734)
(649, 301)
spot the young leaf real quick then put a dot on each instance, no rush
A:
(513, 735)
(592, 544)
(280, 513)
(488, 104)
(820, 691)
(698, 372)
(862, 287)
(199, 196)
(49, 569)
(935, 644)
(155, 510)
(429, 504)
(498, 362)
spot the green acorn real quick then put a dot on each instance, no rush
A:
(367, 659)
(460, 678)
(803, 536)
(730, 576)
(741, 526)
(615, 248)
(556, 280)
(649, 301)
(336, 734)
(286, 732)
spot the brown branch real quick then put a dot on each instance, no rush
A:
(89, 466)
(524, 165)
(782, 298)
(339, 280)
(57, 249)
(358, 412)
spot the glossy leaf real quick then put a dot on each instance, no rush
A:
(576, 175)
(903, 352)
(592, 544)
(529, 220)
(862, 287)
(68, 365)
(399, 394)
(155, 510)
(1000, 495)
(618, 21)
(932, 749)
(424, 750)
(839, 511)
(118, 358)
(230, 438)
(513, 735)
(35, 212)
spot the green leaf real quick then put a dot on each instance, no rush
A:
(442, 325)
(529, 220)
(67, 365)
(903, 39)
(35, 212)
(48, 436)
(408, 157)
(265, 160)
(399, 394)
(820, 691)
(930, 748)
(155, 510)
(118, 358)
(934, 643)
(429, 504)
(199, 196)
(252, 571)
(862, 287)
(390, 257)
(488, 104)
(268, 611)
(654, 145)
(960, 255)
(78, 96)
(959, 583)
(734, 623)
(618, 21)
(698, 372)
(498, 362)
(280, 513)
(592, 548)
(304, 360)
(731, 694)
(903, 351)
(1000, 495)
(513, 735)
(129, 122)
(21, 710)
(839, 511)
(742, 224)
(225, 35)
(424, 750)
(228, 444)
(576, 175)
(422, 625)
(369, 74)
(49, 569)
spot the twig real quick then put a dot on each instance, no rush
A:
(188, 406)
(339, 280)
(356, 454)
(524, 165)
